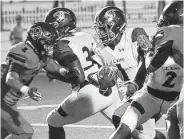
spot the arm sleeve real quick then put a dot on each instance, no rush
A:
(141, 74)
(65, 56)
(161, 54)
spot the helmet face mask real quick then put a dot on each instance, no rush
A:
(109, 24)
(43, 36)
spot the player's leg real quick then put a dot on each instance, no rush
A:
(180, 111)
(76, 107)
(13, 121)
(142, 108)
(173, 131)
(145, 131)
(115, 103)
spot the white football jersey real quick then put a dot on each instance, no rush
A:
(125, 54)
(169, 77)
(82, 44)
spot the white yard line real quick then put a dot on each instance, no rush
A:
(36, 107)
(86, 126)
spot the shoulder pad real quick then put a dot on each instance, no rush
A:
(18, 54)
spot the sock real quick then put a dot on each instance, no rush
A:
(56, 132)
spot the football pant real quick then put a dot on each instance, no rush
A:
(12, 120)
(82, 104)
(143, 107)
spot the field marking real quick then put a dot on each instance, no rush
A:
(36, 107)
(86, 126)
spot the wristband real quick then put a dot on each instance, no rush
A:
(24, 89)
(62, 71)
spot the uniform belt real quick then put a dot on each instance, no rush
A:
(168, 96)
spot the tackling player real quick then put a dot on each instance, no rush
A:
(169, 42)
(22, 64)
(164, 85)
(96, 94)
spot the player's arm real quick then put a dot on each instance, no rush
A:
(157, 59)
(65, 57)
(141, 74)
(16, 67)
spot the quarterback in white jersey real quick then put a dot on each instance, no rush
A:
(89, 98)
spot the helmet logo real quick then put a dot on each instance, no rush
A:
(110, 14)
(59, 16)
(36, 32)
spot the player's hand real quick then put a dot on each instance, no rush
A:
(144, 43)
(131, 88)
(107, 77)
(34, 94)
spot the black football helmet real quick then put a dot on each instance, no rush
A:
(109, 23)
(172, 14)
(43, 37)
(63, 19)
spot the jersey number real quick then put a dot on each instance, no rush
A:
(171, 75)
(88, 58)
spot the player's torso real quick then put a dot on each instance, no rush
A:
(167, 78)
(25, 56)
(81, 44)
(125, 53)
(174, 33)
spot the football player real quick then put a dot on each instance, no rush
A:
(169, 42)
(96, 94)
(22, 64)
(163, 86)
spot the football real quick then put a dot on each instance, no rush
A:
(107, 76)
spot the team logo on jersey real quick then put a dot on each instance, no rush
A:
(59, 16)
(36, 32)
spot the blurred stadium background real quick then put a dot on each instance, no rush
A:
(138, 13)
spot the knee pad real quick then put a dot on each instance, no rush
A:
(116, 120)
(55, 117)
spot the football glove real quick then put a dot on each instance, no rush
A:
(131, 88)
(34, 94)
(144, 43)
(107, 77)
